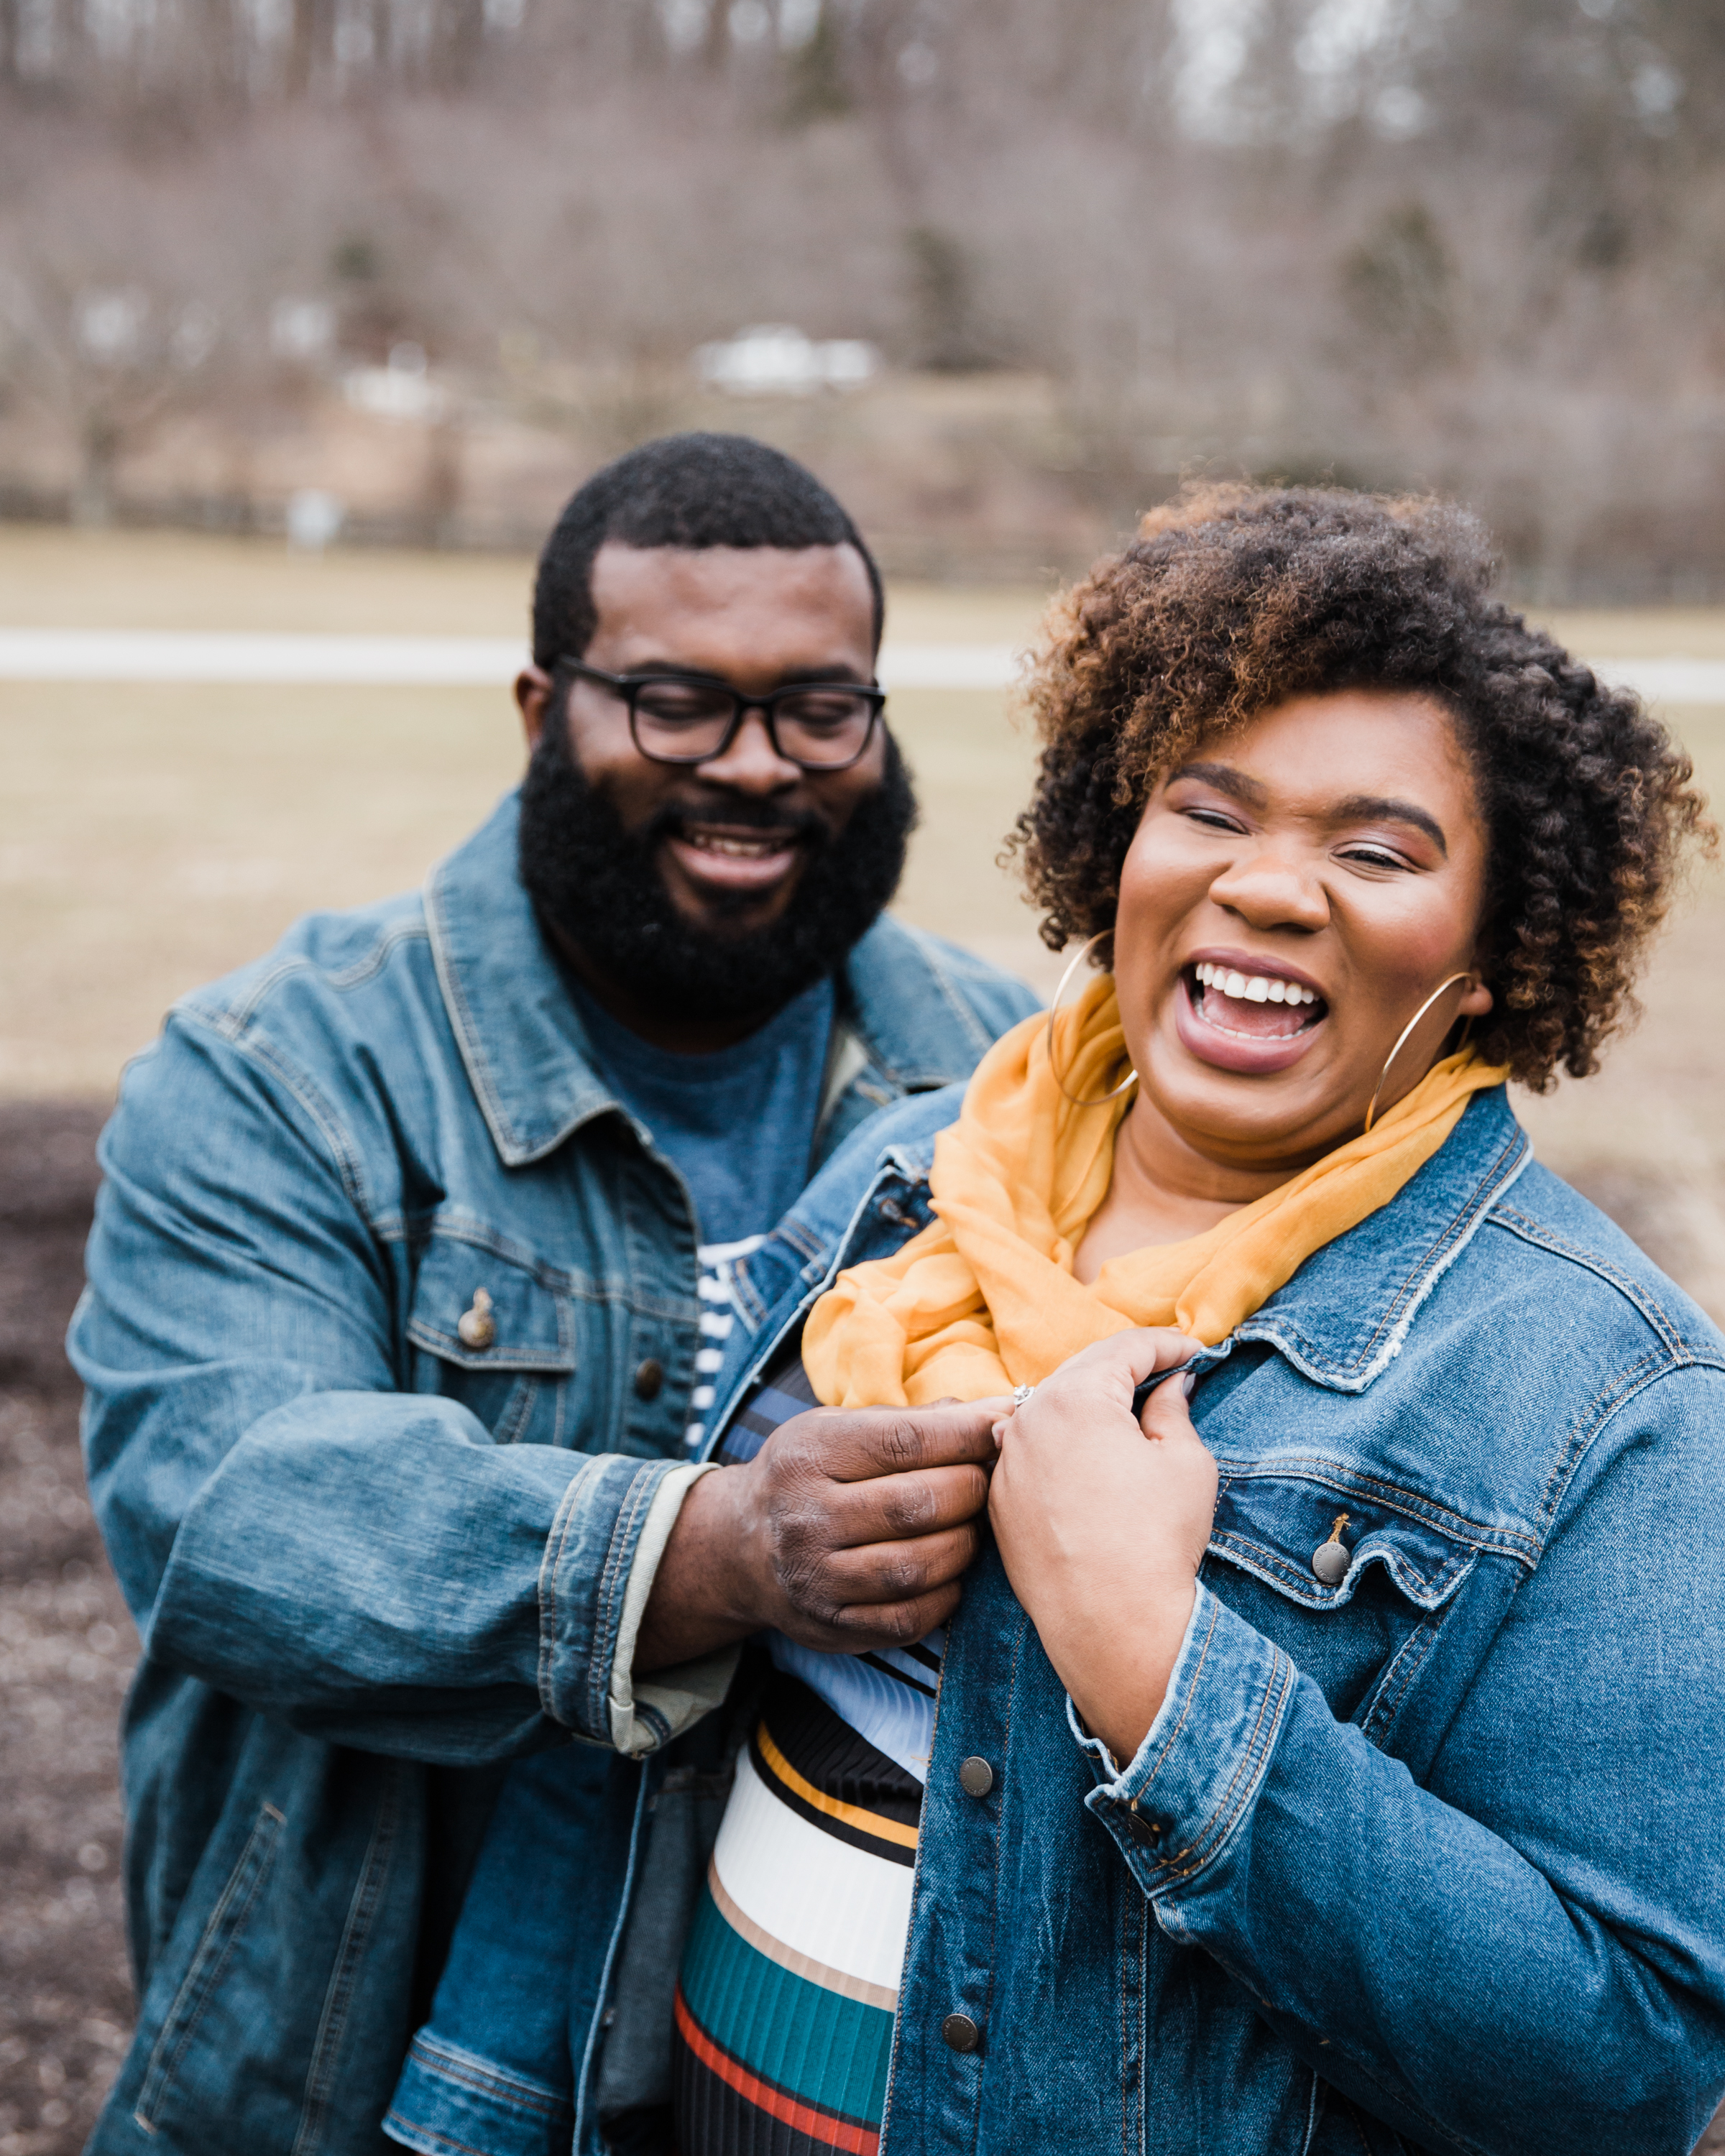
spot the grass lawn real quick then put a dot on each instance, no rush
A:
(153, 836)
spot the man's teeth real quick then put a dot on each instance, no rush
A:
(1253, 987)
(743, 849)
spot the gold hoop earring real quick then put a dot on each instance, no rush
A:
(1402, 1042)
(1130, 1077)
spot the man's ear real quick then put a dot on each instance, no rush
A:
(533, 696)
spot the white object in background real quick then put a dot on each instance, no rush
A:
(774, 359)
(314, 519)
(403, 390)
(302, 329)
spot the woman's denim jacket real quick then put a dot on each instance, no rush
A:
(1433, 1857)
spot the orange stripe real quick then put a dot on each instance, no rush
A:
(788, 2110)
(883, 1829)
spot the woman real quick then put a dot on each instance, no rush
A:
(1337, 1772)
(1342, 1774)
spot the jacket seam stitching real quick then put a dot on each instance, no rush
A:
(219, 1924)
(1529, 1230)
(550, 1570)
(332, 2023)
(1231, 1801)
(613, 1584)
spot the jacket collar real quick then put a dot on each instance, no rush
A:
(1342, 1318)
(527, 1053)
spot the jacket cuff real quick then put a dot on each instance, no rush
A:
(647, 1712)
(584, 1578)
(1174, 1808)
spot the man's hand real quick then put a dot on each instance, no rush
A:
(1101, 1533)
(847, 1529)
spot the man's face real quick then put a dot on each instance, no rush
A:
(693, 897)
(731, 837)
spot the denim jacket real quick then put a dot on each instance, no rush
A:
(1430, 1858)
(374, 1552)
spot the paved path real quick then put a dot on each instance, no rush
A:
(109, 654)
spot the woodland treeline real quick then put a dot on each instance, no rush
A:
(1472, 244)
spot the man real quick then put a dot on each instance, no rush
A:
(413, 1253)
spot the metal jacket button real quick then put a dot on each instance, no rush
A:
(1147, 1831)
(1330, 1560)
(976, 1777)
(476, 1328)
(961, 2032)
(649, 1380)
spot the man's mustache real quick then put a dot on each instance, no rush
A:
(736, 811)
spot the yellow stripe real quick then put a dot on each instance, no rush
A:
(883, 1829)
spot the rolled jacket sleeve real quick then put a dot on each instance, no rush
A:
(639, 1714)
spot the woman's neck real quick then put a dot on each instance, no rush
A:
(1163, 1190)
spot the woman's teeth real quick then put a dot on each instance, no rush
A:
(1253, 987)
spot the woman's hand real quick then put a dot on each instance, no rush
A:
(1103, 1524)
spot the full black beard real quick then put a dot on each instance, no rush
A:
(601, 886)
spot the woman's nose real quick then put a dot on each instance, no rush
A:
(1270, 889)
(752, 764)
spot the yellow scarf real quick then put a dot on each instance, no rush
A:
(984, 1298)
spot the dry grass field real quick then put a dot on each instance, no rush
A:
(153, 836)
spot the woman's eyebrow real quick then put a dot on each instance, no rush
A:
(1226, 780)
(1356, 808)
(1363, 807)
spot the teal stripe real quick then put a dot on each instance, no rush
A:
(822, 2047)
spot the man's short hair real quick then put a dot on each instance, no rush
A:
(683, 491)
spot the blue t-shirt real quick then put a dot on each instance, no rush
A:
(738, 1126)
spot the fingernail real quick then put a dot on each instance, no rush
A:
(1188, 1382)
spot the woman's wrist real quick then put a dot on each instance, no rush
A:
(1117, 1666)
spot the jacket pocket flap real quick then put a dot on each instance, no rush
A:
(482, 1312)
(1275, 1526)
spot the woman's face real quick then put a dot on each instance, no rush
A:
(1328, 860)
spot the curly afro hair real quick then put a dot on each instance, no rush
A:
(1233, 599)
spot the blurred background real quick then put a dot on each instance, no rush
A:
(313, 312)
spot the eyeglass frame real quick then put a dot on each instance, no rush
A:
(628, 686)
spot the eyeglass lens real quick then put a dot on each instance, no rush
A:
(689, 720)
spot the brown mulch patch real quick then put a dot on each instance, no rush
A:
(66, 1650)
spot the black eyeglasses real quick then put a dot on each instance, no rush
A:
(680, 718)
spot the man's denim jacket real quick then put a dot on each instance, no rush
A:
(374, 1556)
(1433, 1857)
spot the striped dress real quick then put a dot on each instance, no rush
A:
(789, 1982)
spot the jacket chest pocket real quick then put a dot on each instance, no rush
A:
(1352, 1586)
(494, 1334)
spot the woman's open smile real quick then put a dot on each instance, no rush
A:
(1241, 1012)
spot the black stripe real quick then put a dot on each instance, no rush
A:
(903, 1677)
(841, 1830)
(926, 1655)
(835, 1757)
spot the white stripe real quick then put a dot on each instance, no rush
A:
(821, 1896)
(895, 1719)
